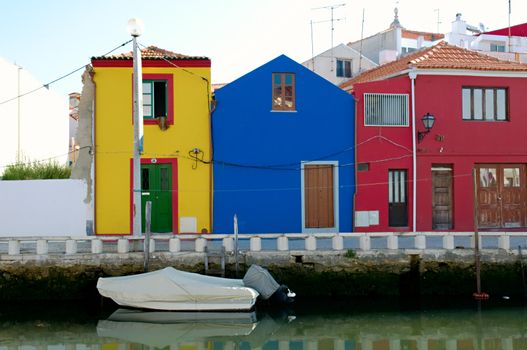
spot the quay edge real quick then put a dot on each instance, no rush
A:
(407, 273)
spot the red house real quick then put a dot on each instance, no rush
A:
(475, 145)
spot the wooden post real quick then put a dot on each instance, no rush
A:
(236, 243)
(146, 248)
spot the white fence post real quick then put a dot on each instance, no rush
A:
(392, 242)
(96, 246)
(42, 247)
(13, 247)
(337, 242)
(174, 245)
(71, 246)
(504, 242)
(365, 242)
(282, 243)
(255, 244)
(200, 244)
(448, 242)
(311, 243)
(123, 245)
(228, 244)
(420, 241)
(152, 245)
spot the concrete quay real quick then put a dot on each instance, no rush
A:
(343, 273)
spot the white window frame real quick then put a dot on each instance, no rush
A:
(476, 106)
(384, 106)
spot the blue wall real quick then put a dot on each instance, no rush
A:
(258, 152)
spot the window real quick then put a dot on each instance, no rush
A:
(363, 167)
(407, 50)
(488, 104)
(343, 68)
(154, 99)
(284, 91)
(497, 48)
(386, 109)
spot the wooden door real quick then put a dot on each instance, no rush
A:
(501, 195)
(397, 198)
(442, 198)
(156, 186)
(512, 195)
(319, 196)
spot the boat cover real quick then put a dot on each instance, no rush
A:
(171, 289)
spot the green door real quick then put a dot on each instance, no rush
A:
(156, 186)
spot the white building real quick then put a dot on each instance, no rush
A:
(339, 64)
(394, 42)
(506, 43)
(35, 126)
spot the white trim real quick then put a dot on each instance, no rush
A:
(412, 77)
(335, 164)
(460, 72)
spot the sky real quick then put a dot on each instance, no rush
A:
(51, 38)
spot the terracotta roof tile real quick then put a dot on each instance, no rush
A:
(439, 56)
(151, 53)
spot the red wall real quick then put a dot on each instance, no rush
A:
(452, 141)
(383, 148)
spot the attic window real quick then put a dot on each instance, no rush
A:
(284, 91)
(343, 68)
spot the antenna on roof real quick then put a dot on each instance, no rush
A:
(438, 20)
(361, 37)
(510, 25)
(331, 8)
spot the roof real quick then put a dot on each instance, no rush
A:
(517, 30)
(151, 53)
(439, 56)
(413, 34)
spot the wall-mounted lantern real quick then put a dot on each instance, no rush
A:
(428, 122)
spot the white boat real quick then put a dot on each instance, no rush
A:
(171, 289)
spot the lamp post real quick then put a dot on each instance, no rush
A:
(135, 28)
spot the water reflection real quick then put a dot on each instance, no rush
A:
(494, 329)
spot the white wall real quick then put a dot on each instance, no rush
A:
(43, 208)
(43, 118)
(325, 64)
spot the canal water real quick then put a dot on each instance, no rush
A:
(307, 325)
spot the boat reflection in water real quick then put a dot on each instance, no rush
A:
(160, 329)
(465, 330)
(492, 329)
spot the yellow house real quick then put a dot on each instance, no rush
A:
(175, 169)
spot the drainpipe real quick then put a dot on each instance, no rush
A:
(412, 76)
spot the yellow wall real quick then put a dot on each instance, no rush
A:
(114, 145)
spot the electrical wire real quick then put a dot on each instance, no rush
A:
(60, 78)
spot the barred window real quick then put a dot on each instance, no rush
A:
(386, 109)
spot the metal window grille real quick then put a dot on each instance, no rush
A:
(386, 109)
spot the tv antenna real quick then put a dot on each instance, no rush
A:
(438, 20)
(332, 20)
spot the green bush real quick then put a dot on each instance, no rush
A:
(36, 171)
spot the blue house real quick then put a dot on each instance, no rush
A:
(283, 140)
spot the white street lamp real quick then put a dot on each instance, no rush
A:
(135, 28)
